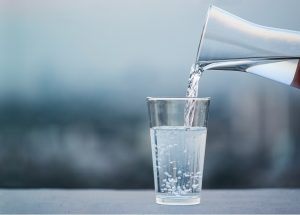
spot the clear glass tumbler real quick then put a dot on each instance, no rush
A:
(178, 150)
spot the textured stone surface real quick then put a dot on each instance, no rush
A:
(142, 201)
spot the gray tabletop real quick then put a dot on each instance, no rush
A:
(142, 201)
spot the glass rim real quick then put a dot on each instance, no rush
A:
(177, 98)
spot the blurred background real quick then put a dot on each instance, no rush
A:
(74, 76)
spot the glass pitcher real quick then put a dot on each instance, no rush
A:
(229, 42)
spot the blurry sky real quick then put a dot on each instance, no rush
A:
(87, 47)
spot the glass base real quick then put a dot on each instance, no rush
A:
(172, 200)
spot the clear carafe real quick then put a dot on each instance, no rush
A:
(229, 42)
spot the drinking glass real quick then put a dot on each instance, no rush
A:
(178, 150)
